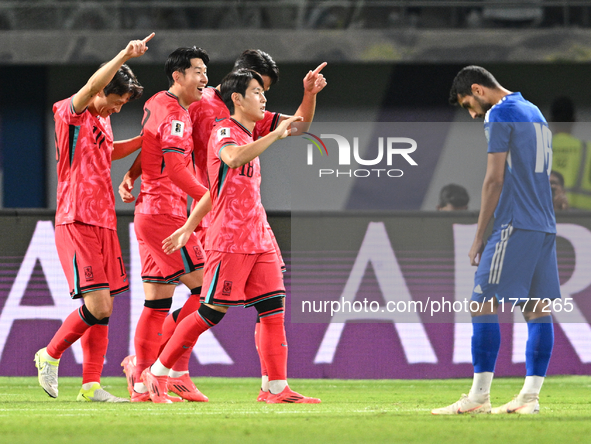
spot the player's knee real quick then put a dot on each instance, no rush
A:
(101, 312)
(96, 314)
(269, 305)
(210, 315)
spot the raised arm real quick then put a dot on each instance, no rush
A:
(314, 82)
(237, 155)
(101, 78)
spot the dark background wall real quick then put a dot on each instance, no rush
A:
(355, 92)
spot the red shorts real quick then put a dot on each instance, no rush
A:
(157, 266)
(278, 251)
(241, 279)
(201, 231)
(91, 259)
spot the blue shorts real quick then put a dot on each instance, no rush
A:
(519, 264)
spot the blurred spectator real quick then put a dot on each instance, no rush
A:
(453, 197)
(558, 193)
(571, 157)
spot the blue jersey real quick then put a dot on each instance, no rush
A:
(517, 127)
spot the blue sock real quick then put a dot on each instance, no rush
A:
(538, 349)
(486, 342)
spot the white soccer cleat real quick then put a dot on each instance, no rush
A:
(524, 404)
(464, 405)
(47, 372)
(97, 394)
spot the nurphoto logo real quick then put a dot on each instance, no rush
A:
(388, 147)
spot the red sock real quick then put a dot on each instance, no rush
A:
(148, 336)
(182, 363)
(191, 306)
(257, 343)
(167, 330)
(94, 348)
(71, 330)
(184, 338)
(170, 323)
(273, 346)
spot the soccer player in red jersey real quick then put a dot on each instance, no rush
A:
(86, 225)
(205, 114)
(242, 267)
(168, 177)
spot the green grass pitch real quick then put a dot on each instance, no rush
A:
(352, 411)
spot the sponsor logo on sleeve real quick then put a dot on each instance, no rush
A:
(178, 128)
(223, 133)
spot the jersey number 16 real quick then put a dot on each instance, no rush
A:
(543, 148)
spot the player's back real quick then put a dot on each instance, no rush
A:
(517, 126)
(166, 127)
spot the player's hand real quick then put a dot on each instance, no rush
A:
(285, 128)
(137, 48)
(314, 82)
(560, 201)
(476, 251)
(176, 240)
(125, 189)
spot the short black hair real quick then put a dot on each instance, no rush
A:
(562, 109)
(180, 60)
(454, 194)
(260, 62)
(237, 81)
(124, 81)
(462, 84)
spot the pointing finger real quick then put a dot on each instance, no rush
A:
(147, 39)
(319, 68)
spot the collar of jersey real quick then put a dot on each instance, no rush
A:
(168, 93)
(241, 126)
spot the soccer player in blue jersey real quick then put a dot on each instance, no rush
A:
(518, 261)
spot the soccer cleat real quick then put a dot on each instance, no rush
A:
(158, 388)
(525, 404)
(140, 397)
(263, 395)
(128, 369)
(464, 405)
(288, 396)
(97, 394)
(47, 371)
(185, 388)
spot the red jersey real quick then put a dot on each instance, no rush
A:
(84, 144)
(239, 221)
(205, 114)
(168, 169)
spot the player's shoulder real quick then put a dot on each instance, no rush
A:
(211, 93)
(514, 108)
(62, 104)
(169, 107)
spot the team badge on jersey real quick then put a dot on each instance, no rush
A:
(223, 133)
(88, 275)
(178, 128)
(227, 288)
